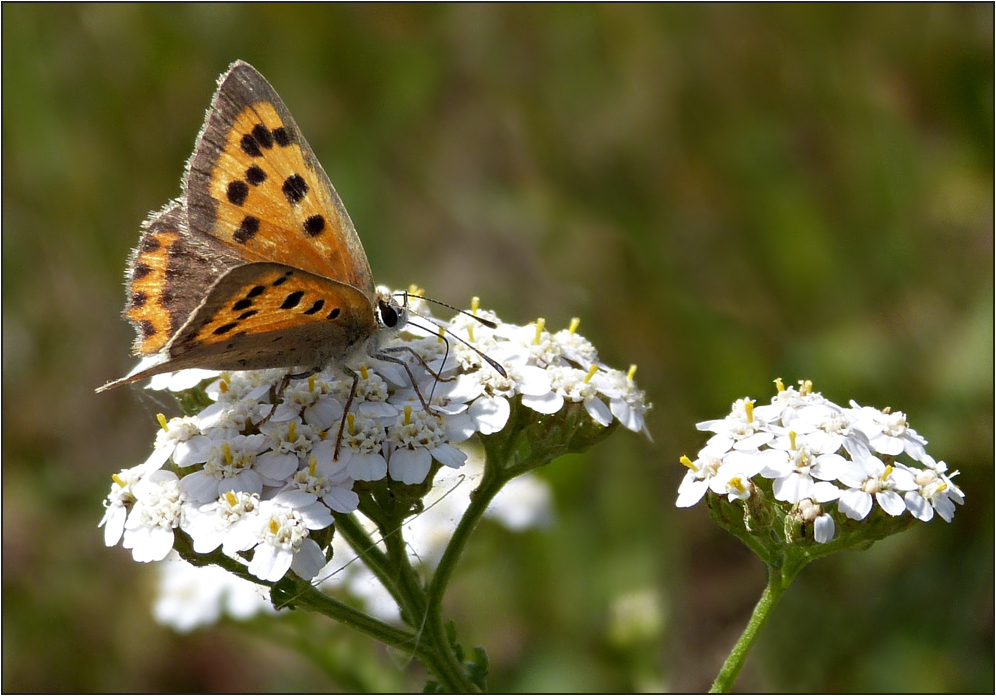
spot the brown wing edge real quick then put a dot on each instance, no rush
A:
(241, 85)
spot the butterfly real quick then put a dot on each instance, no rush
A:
(257, 265)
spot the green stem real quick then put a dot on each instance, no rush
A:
(491, 483)
(778, 582)
(292, 590)
(396, 573)
(377, 561)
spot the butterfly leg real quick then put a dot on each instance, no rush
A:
(345, 413)
(277, 392)
(384, 355)
(407, 349)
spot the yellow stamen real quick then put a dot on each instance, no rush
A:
(749, 410)
(292, 432)
(792, 437)
(311, 383)
(223, 386)
(415, 290)
(162, 422)
(687, 462)
(632, 372)
(591, 373)
(351, 421)
(118, 480)
(313, 462)
(779, 385)
(887, 410)
(886, 473)
(575, 323)
(805, 386)
(231, 499)
(540, 325)
(442, 333)
(470, 334)
(408, 415)
(942, 487)
(475, 304)
(363, 371)
(274, 527)
(737, 482)
(228, 452)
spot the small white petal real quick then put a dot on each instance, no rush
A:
(341, 500)
(919, 506)
(891, 502)
(410, 466)
(854, 503)
(450, 456)
(490, 413)
(792, 488)
(275, 467)
(691, 491)
(824, 529)
(546, 403)
(598, 411)
(309, 559)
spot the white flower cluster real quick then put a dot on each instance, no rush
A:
(250, 474)
(188, 597)
(816, 452)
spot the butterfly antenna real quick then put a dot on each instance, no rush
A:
(487, 322)
(490, 361)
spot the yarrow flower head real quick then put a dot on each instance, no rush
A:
(261, 461)
(818, 467)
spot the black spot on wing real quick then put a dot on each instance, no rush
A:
(292, 300)
(295, 188)
(281, 136)
(225, 328)
(250, 146)
(247, 230)
(263, 136)
(238, 192)
(314, 225)
(255, 175)
(315, 308)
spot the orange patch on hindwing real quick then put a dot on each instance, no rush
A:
(276, 299)
(146, 288)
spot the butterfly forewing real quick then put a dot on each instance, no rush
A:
(254, 183)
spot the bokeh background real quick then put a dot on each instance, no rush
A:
(722, 194)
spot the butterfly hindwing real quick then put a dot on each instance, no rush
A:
(166, 277)
(271, 315)
(254, 183)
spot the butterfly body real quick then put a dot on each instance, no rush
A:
(258, 264)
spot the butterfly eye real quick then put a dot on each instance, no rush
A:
(388, 315)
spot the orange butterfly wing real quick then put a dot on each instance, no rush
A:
(167, 276)
(271, 315)
(254, 183)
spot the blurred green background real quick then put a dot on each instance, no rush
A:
(722, 194)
